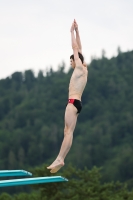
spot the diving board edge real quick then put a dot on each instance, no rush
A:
(9, 173)
(31, 181)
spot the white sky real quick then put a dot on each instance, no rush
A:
(35, 34)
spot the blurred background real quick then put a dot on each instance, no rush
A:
(35, 46)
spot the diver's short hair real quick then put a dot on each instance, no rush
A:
(80, 56)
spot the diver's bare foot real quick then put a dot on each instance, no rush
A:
(55, 166)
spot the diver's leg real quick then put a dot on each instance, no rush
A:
(70, 123)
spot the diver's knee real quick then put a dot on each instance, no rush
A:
(67, 131)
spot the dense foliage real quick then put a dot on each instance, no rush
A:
(32, 118)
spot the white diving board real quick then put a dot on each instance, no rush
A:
(7, 173)
(30, 181)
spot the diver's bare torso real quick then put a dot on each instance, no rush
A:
(78, 82)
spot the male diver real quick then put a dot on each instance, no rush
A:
(76, 87)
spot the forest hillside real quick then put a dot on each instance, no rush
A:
(32, 118)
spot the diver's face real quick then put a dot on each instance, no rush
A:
(72, 63)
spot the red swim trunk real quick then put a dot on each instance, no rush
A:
(77, 103)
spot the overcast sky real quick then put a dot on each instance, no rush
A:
(35, 34)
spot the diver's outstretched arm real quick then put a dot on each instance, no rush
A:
(77, 37)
